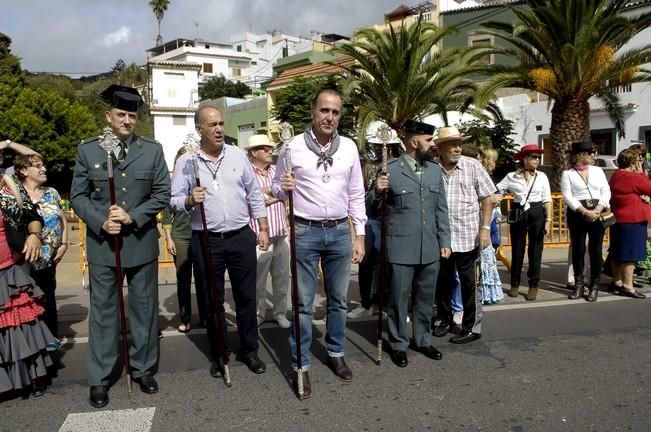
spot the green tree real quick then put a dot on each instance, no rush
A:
(57, 83)
(159, 7)
(218, 86)
(571, 51)
(49, 124)
(401, 75)
(498, 136)
(293, 104)
(10, 71)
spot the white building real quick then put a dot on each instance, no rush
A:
(265, 50)
(174, 94)
(214, 58)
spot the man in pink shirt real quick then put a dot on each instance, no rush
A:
(328, 189)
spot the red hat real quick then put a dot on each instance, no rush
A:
(527, 149)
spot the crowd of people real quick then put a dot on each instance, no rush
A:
(225, 209)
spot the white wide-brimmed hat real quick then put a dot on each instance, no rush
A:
(449, 133)
(257, 141)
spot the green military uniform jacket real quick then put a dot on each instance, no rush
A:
(142, 189)
(417, 213)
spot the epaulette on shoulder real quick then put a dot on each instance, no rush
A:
(89, 140)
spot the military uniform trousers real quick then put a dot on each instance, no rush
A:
(420, 281)
(104, 321)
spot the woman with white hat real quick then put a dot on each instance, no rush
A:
(530, 216)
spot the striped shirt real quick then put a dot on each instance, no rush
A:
(276, 213)
(468, 184)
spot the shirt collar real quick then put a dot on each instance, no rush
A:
(323, 147)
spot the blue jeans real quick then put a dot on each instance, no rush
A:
(332, 246)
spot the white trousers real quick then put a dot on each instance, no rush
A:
(274, 262)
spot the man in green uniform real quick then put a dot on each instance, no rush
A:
(142, 189)
(418, 236)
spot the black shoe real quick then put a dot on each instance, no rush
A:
(254, 364)
(613, 288)
(307, 386)
(147, 384)
(428, 351)
(633, 293)
(216, 371)
(38, 387)
(465, 337)
(592, 295)
(98, 396)
(399, 358)
(441, 329)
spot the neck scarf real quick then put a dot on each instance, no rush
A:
(324, 155)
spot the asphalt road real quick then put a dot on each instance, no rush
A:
(546, 366)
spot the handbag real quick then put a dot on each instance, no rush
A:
(518, 214)
(606, 217)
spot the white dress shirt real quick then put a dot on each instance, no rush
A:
(516, 185)
(575, 189)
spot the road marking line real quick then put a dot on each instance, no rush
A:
(127, 420)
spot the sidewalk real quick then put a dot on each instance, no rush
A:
(73, 302)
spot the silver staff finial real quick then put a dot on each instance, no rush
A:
(108, 141)
(286, 132)
(191, 144)
(383, 133)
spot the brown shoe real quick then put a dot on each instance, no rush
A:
(514, 292)
(340, 368)
(307, 386)
(531, 295)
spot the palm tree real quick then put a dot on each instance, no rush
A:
(400, 75)
(571, 51)
(159, 7)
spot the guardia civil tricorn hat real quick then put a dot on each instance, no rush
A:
(121, 97)
(417, 127)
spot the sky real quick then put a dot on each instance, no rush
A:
(88, 36)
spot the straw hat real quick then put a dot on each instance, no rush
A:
(449, 133)
(256, 141)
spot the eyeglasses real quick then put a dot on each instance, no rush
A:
(534, 156)
(38, 166)
(592, 152)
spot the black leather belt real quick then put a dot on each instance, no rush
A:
(227, 234)
(320, 224)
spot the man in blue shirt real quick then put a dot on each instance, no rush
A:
(231, 198)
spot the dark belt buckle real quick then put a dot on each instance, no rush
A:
(328, 224)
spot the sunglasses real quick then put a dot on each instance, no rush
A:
(534, 156)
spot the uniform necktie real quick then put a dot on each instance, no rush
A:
(122, 151)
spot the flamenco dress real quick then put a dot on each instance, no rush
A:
(23, 335)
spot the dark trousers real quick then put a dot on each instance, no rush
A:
(237, 255)
(369, 264)
(183, 263)
(46, 279)
(579, 229)
(533, 226)
(465, 263)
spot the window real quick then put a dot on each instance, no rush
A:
(178, 120)
(604, 140)
(237, 72)
(254, 63)
(207, 68)
(482, 40)
(239, 48)
(645, 136)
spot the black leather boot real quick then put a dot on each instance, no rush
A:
(578, 288)
(594, 291)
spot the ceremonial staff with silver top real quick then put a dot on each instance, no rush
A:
(383, 134)
(191, 145)
(110, 143)
(286, 135)
(120, 183)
